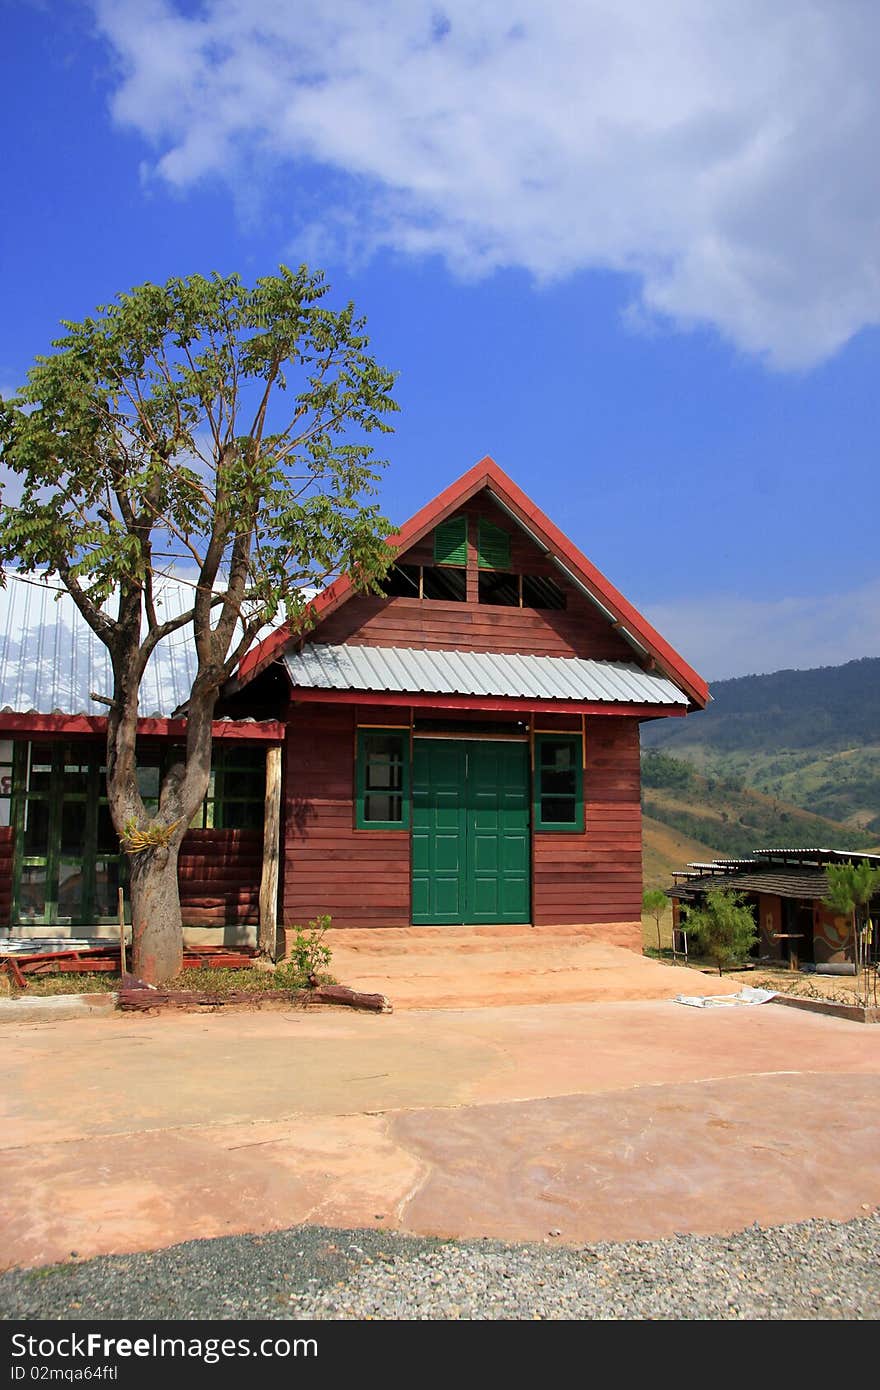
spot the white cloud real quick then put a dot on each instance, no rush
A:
(724, 155)
(722, 635)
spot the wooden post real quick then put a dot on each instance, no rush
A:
(121, 905)
(271, 836)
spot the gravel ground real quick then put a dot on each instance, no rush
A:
(815, 1269)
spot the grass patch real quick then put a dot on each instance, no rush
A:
(202, 980)
(74, 982)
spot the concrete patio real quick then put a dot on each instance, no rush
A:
(593, 1121)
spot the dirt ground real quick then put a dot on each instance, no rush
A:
(569, 1121)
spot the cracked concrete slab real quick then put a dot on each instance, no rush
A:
(601, 1120)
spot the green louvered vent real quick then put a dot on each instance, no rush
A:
(450, 542)
(494, 547)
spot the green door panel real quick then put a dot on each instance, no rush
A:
(470, 842)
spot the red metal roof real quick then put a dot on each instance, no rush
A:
(487, 475)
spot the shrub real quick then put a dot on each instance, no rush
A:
(724, 929)
(308, 955)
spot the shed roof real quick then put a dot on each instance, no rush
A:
(51, 660)
(413, 671)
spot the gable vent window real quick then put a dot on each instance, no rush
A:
(449, 584)
(402, 581)
(538, 592)
(450, 542)
(493, 548)
(499, 588)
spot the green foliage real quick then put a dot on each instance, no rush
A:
(309, 955)
(205, 422)
(723, 927)
(851, 886)
(655, 904)
(659, 770)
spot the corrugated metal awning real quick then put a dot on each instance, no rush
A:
(416, 671)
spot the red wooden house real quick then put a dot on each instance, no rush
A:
(461, 749)
(465, 749)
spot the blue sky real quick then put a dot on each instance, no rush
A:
(634, 257)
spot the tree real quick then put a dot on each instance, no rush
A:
(654, 904)
(723, 927)
(208, 425)
(850, 890)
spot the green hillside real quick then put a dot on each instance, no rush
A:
(810, 738)
(732, 818)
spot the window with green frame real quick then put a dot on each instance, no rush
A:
(559, 782)
(382, 779)
(236, 790)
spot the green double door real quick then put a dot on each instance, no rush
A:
(470, 834)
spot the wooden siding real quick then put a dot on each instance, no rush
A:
(578, 630)
(360, 877)
(597, 876)
(219, 877)
(7, 844)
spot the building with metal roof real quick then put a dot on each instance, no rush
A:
(511, 675)
(787, 889)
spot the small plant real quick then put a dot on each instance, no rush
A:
(850, 890)
(654, 904)
(723, 927)
(309, 954)
(136, 838)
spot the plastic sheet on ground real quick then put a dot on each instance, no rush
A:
(746, 996)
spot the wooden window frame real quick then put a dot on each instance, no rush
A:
(576, 826)
(360, 820)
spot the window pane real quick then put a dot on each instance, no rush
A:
(557, 754)
(76, 778)
(541, 593)
(73, 827)
(40, 770)
(558, 810)
(108, 840)
(70, 890)
(32, 893)
(106, 888)
(499, 589)
(401, 581)
(449, 584)
(36, 827)
(383, 808)
(383, 775)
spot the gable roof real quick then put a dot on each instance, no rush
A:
(486, 475)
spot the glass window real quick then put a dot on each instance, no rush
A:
(559, 803)
(382, 779)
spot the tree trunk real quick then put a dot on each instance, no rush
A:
(156, 926)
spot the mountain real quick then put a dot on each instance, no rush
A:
(810, 738)
(689, 816)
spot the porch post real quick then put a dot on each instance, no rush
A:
(271, 835)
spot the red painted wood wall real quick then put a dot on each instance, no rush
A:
(219, 877)
(360, 877)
